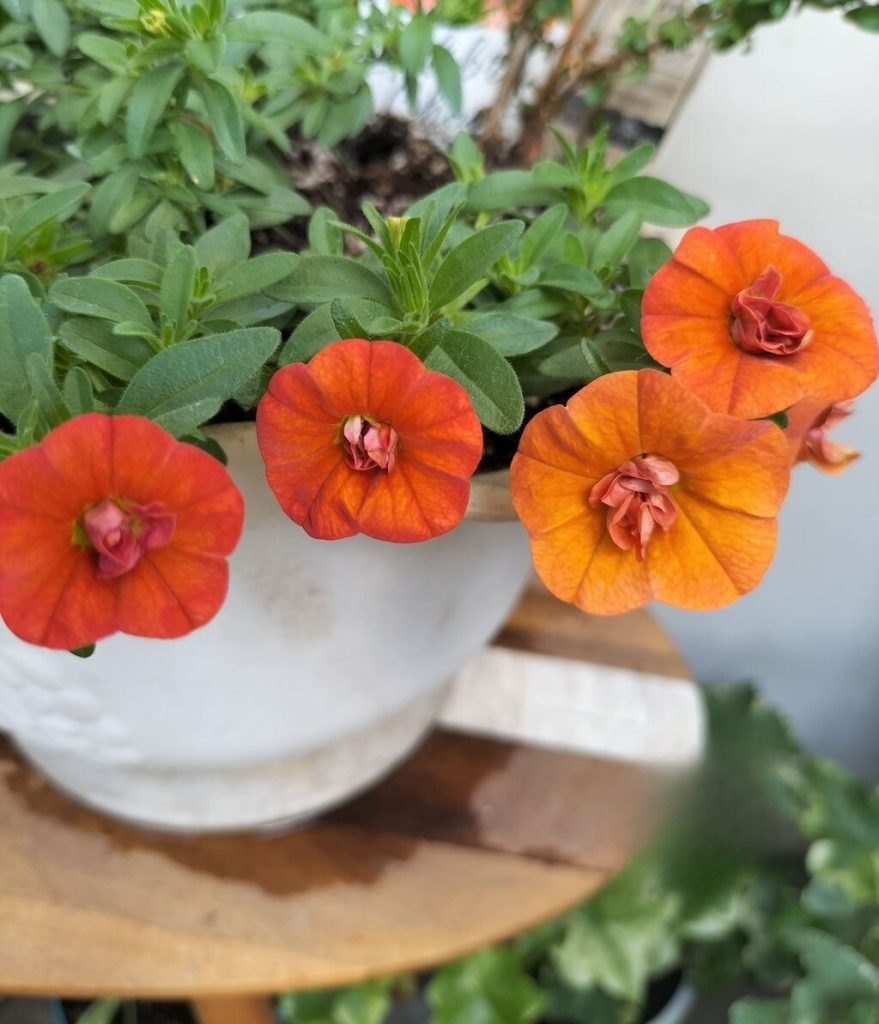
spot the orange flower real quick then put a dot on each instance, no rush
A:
(110, 524)
(635, 491)
(365, 439)
(752, 321)
(807, 425)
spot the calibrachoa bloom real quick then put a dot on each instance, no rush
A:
(365, 439)
(636, 491)
(111, 524)
(807, 431)
(752, 321)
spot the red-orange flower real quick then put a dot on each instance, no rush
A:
(365, 439)
(110, 524)
(636, 491)
(807, 432)
(752, 321)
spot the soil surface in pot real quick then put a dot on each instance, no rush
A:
(388, 164)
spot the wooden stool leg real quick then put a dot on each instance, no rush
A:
(229, 1010)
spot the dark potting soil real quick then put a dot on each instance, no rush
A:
(387, 164)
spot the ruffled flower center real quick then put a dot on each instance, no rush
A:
(120, 532)
(369, 445)
(637, 501)
(763, 325)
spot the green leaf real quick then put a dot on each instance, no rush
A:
(345, 118)
(94, 342)
(25, 334)
(448, 77)
(656, 201)
(98, 297)
(225, 118)
(131, 271)
(113, 193)
(489, 987)
(57, 206)
(487, 377)
(645, 258)
(317, 279)
(509, 334)
(196, 152)
(865, 17)
(760, 1011)
(149, 97)
(104, 1010)
(504, 190)
(275, 27)
(616, 241)
(633, 162)
(184, 386)
(178, 281)
(103, 50)
(570, 278)
(45, 391)
(314, 332)
(257, 274)
(353, 318)
(542, 233)
(415, 44)
(621, 938)
(224, 246)
(324, 234)
(472, 260)
(52, 23)
(78, 394)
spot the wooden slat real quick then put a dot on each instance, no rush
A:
(471, 841)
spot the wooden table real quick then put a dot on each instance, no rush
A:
(476, 838)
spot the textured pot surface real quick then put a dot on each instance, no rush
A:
(324, 667)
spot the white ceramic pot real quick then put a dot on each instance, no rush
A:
(323, 669)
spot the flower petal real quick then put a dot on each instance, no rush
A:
(170, 593)
(711, 556)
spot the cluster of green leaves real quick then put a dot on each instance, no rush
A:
(171, 332)
(514, 283)
(708, 896)
(185, 108)
(517, 284)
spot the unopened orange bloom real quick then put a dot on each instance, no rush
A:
(365, 439)
(752, 321)
(807, 431)
(111, 524)
(636, 491)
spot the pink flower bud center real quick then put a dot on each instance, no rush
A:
(763, 325)
(369, 445)
(121, 532)
(637, 501)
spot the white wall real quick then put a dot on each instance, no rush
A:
(791, 130)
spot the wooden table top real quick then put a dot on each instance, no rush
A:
(472, 840)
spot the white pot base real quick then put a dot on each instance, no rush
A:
(272, 795)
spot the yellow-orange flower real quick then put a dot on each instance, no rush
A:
(752, 320)
(636, 491)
